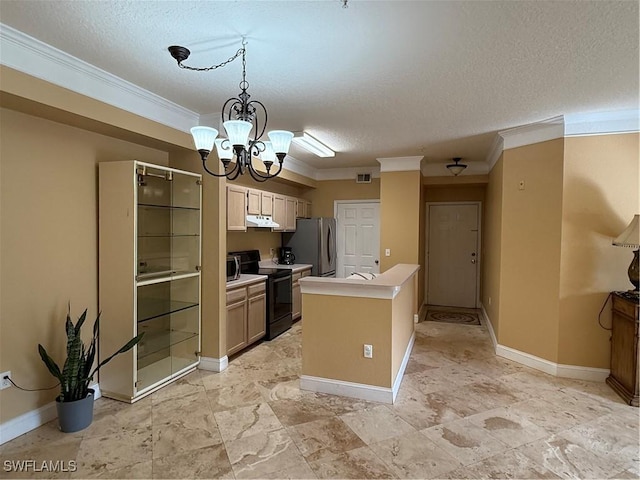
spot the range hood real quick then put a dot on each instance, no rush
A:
(261, 221)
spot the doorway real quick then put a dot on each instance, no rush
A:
(358, 237)
(453, 260)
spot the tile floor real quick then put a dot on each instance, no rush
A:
(461, 412)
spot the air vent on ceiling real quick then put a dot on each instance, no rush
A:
(363, 178)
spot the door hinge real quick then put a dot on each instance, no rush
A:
(198, 182)
(198, 268)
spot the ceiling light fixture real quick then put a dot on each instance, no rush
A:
(313, 145)
(239, 116)
(456, 168)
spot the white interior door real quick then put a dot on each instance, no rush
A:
(452, 278)
(358, 238)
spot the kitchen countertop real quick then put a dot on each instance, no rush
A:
(384, 285)
(295, 268)
(246, 279)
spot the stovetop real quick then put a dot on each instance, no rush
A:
(250, 263)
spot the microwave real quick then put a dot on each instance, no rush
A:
(233, 267)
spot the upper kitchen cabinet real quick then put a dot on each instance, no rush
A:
(149, 275)
(254, 202)
(279, 212)
(236, 208)
(290, 214)
(266, 203)
(303, 208)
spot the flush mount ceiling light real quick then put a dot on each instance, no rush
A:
(239, 116)
(456, 168)
(313, 145)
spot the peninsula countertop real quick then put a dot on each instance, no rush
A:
(384, 285)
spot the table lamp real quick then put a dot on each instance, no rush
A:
(630, 238)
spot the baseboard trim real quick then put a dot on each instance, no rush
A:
(556, 369)
(213, 364)
(346, 389)
(33, 419)
(422, 312)
(403, 366)
(362, 391)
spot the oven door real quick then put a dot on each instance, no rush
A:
(280, 299)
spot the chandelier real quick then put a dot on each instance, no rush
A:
(240, 116)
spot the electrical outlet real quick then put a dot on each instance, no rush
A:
(387, 252)
(4, 383)
(368, 351)
(272, 252)
(521, 185)
(489, 301)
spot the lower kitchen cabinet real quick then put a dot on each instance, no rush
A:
(296, 308)
(246, 316)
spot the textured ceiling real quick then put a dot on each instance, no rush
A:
(376, 79)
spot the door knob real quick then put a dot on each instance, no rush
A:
(473, 260)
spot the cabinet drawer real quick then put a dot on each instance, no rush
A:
(256, 289)
(237, 295)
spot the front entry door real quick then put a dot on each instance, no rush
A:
(358, 238)
(452, 278)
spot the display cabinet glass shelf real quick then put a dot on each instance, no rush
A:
(150, 247)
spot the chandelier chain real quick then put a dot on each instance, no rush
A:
(213, 67)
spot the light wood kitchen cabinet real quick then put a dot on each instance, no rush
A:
(236, 208)
(266, 203)
(246, 316)
(303, 208)
(254, 202)
(296, 294)
(290, 214)
(256, 312)
(279, 213)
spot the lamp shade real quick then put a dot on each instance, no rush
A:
(280, 140)
(631, 235)
(268, 155)
(238, 131)
(223, 149)
(456, 168)
(203, 137)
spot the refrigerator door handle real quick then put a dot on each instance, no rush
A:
(329, 244)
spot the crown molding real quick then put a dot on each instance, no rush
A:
(400, 164)
(602, 123)
(33, 57)
(347, 173)
(533, 133)
(297, 166)
(494, 154)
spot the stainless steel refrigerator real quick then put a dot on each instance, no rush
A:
(314, 242)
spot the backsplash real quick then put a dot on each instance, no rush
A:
(260, 239)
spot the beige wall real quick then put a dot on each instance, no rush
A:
(400, 218)
(402, 309)
(600, 197)
(328, 191)
(48, 242)
(492, 246)
(531, 235)
(335, 330)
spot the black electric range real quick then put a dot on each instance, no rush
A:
(279, 295)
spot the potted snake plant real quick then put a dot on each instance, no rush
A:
(75, 402)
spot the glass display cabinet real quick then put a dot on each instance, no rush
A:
(149, 275)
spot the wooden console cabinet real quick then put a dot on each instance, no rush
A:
(624, 347)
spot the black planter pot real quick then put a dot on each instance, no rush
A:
(76, 415)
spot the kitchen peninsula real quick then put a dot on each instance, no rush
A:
(341, 316)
